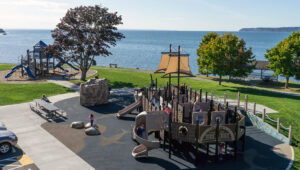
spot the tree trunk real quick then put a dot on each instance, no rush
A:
(206, 74)
(287, 82)
(83, 74)
(220, 80)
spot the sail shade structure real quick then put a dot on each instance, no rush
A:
(172, 67)
(164, 61)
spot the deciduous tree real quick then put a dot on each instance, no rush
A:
(284, 58)
(224, 55)
(86, 32)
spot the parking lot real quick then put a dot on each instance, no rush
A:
(16, 160)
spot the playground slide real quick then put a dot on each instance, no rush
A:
(13, 70)
(129, 108)
(153, 122)
(27, 69)
(29, 73)
(59, 65)
(72, 66)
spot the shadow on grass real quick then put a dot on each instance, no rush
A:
(259, 92)
(259, 83)
(120, 84)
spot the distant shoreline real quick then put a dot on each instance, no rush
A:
(269, 29)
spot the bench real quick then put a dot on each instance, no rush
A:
(113, 65)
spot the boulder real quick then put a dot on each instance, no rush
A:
(94, 92)
(91, 131)
(77, 125)
(88, 125)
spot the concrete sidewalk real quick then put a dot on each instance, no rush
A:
(44, 149)
(66, 83)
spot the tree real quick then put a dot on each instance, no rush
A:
(84, 33)
(284, 58)
(204, 59)
(224, 55)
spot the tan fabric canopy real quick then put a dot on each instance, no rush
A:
(164, 61)
(172, 67)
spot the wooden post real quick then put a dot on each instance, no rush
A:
(206, 97)
(217, 142)
(164, 144)
(170, 135)
(200, 95)
(167, 86)
(177, 110)
(246, 102)
(191, 91)
(254, 108)
(290, 133)
(212, 95)
(196, 142)
(278, 124)
(236, 138)
(264, 115)
(156, 84)
(195, 95)
(238, 99)
(225, 98)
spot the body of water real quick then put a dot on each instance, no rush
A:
(140, 48)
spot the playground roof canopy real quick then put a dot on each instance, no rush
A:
(40, 44)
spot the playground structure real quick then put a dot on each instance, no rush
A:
(214, 124)
(36, 63)
(169, 113)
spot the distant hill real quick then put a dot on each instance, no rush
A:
(266, 29)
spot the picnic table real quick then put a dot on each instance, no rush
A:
(46, 108)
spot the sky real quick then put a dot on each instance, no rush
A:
(196, 15)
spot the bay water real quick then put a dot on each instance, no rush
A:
(141, 48)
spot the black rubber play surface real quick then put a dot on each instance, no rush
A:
(112, 149)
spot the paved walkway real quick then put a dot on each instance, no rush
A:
(66, 83)
(44, 149)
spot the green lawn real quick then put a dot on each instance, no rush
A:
(287, 106)
(6, 66)
(278, 86)
(19, 93)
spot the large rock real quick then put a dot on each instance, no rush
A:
(92, 131)
(77, 125)
(88, 125)
(94, 92)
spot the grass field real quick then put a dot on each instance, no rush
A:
(278, 86)
(19, 93)
(6, 66)
(287, 106)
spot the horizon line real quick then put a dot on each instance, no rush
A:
(129, 29)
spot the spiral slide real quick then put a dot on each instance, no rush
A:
(153, 122)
